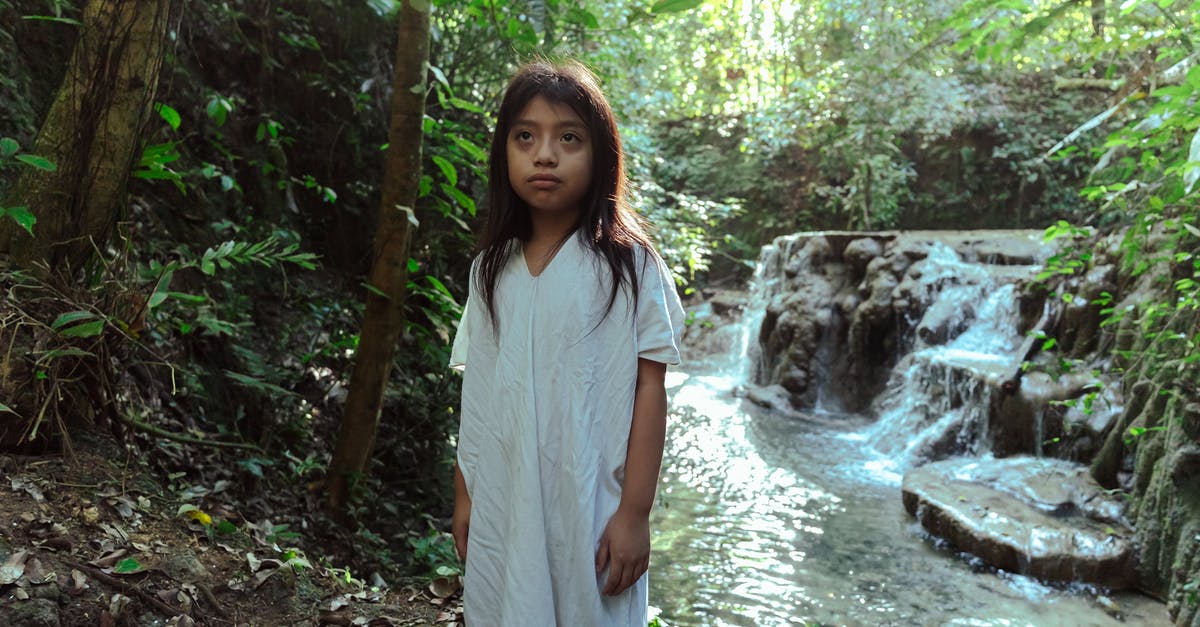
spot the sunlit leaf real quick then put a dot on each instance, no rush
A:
(169, 114)
(8, 146)
(674, 6)
(447, 169)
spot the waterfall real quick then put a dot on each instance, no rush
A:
(916, 330)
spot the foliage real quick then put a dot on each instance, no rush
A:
(10, 150)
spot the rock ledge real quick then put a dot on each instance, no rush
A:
(1041, 517)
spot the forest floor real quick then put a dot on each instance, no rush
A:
(99, 538)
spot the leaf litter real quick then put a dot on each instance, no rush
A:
(101, 546)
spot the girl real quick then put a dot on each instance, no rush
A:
(571, 321)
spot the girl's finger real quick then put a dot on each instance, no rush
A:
(602, 554)
(615, 574)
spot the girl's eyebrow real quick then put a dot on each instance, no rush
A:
(561, 125)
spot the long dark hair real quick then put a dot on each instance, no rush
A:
(607, 224)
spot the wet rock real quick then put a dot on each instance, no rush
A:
(861, 252)
(727, 302)
(34, 613)
(943, 321)
(771, 397)
(1041, 517)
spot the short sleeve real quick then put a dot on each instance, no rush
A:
(462, 339)
(659, 313)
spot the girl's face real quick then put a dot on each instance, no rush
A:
(549, 158)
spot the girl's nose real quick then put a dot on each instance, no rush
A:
(544, 155)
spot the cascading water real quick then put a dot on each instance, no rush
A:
(937, 400)
(784, 518)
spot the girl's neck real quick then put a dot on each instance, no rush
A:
(551, 228)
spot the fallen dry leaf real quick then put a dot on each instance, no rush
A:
(90, 515)
(21, 485)
(443, 587)
(183, 620)
(118, 603)
(78, 582)
(37, 574)
(108, 560)
(13, 568)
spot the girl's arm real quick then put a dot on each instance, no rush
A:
(460, 524)
(625, 542)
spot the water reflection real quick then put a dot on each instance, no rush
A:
(769, 520)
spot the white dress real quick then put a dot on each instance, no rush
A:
(546, 408)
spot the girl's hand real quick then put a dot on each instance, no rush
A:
(625, 548)
(461, 523)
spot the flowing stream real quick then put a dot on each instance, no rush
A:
(772, 519)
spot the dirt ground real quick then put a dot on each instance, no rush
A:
(99, 540)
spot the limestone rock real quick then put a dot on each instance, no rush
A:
(1041, 517)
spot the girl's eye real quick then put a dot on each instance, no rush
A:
(571, 138)
(524, 136)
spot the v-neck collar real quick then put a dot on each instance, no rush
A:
(555, 255)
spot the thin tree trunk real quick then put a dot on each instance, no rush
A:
(91, 133)
(384, 319)
(1098, 17)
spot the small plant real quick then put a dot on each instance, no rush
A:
(434, 552)
(11, 150)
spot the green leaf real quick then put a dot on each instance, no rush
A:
(40, 163)
(1192, 174)
(218, 109)
(70, 317)
(470, 148)
(23, 217)
(8, 146)
(583, 18)
(376, 291)
(413, 265)
(160, 293)
(127, 565)
(439, 286)
(6, 408)
(51, 18)
(87, 329)
(674, 6)
(447, 169)
(440, 76)
(459, 103)
(464, 200)
(169, 114)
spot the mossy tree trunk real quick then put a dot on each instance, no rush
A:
(384, 317)
(91, 134)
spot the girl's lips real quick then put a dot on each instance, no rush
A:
(544, 181)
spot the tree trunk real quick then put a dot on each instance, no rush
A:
(383, 319)
(1098, 16)
(91, 134)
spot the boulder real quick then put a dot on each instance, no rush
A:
(1036, 516)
